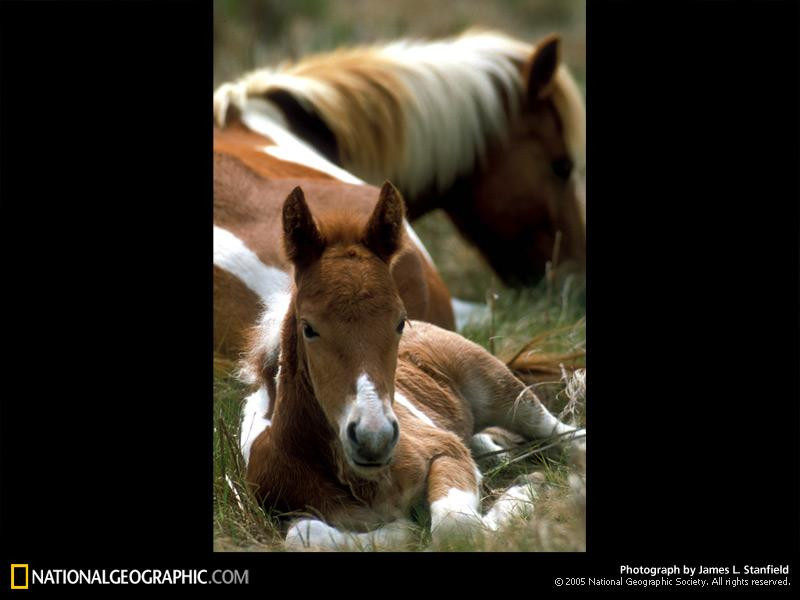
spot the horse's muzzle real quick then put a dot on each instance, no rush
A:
(371, 444)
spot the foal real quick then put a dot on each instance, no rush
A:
(373, 412)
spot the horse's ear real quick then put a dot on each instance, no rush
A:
(384, 232)
(301, 238)
(542, 67)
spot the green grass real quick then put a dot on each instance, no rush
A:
(552, 315)
(249, 34)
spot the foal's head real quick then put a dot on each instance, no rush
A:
(348, 319)
(532, 186)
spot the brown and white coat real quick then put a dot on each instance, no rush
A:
(370, 417)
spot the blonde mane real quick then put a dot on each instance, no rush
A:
(418, 113)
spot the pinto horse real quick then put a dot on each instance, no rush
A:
(372, 411)
(255, 167)
(486, 127)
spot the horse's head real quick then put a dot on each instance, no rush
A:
(532, 186)
(348, 319)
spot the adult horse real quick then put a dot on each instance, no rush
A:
(255, 166)
(486, 127)
(372, 412)
(256, 162)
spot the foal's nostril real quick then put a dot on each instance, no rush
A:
(396, 432)
(351, 432)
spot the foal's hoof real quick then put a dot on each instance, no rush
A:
(456, 526)
(577, 448)
(517, 502)
(485, 450)
(489, 445)
(311, 534)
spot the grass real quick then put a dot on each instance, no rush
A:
(249, 34)
(550, 316)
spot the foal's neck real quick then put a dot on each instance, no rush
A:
(300, 427)
(298, 420)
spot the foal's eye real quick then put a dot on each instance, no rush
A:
(562, 167)
(308, 332)
(401, 325)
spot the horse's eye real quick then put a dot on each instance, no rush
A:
(562, 167)
(401, 325)
(309, 332)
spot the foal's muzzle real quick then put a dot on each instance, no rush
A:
(371, 441)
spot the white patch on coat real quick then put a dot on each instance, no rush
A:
(478, 477)
(516, 502)
(290, 148)
(406, 403)
(482, 443)
(418, 242)
(231, 254)
(549, 425)
(254, 420)
(577, 442)
(269, 327)
(457, 512)
(312, 534)
(270, 284)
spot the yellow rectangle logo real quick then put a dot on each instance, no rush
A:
(15, 585)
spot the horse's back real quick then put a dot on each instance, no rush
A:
(248, 204)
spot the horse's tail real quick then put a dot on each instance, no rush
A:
(544, 365)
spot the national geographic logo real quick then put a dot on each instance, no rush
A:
(19, 577)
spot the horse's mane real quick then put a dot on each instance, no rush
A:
(417, 113)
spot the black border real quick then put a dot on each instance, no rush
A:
(692, 293)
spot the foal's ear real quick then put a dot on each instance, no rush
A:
(384, 232)
(301, 238)
(542, 67)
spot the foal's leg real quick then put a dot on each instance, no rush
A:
(497, 397)
(488, 445)
(312, 534)
(487, 387)
(517, 501)
(454, 491)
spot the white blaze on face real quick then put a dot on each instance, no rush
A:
(367, 406)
